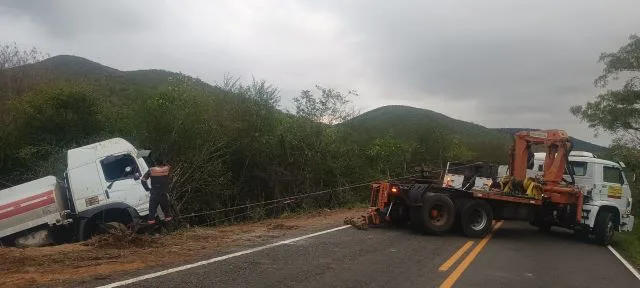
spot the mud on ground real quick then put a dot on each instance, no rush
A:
(104, 257)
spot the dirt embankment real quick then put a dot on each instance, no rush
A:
(103, 257)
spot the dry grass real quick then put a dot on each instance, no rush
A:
(106, 256)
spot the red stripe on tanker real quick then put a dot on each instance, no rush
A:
(26, 204)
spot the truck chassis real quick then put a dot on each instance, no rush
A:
(434, 209)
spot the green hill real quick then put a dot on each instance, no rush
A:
(72, 66)
(411, 124)
(430, 130)
(77, 70)
(407, 122)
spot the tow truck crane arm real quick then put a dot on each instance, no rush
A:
(558, 148)
(556, 162)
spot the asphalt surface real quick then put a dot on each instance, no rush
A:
(515, 256)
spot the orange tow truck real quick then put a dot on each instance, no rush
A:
(435, 206)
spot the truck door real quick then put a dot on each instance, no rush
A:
(612, 183)
(583, 175)
(121, 174)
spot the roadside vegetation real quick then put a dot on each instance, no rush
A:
(617, 111)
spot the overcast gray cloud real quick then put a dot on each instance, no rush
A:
(495, 62)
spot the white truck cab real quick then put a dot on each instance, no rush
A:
(103, 180)
(101, 185)
(107, 173)
(603, 183)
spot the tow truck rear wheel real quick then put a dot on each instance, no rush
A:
(475, 218)
(399, 214)
(459, 204)
(415, 218)
(438, 214)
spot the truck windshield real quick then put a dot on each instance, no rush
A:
(114, 167)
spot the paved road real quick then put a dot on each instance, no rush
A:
(515, 256)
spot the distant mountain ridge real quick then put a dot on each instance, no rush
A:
(404, 122)
(69, 68)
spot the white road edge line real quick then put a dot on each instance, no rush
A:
(205, 262)
(633, 270)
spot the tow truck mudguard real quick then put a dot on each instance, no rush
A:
(416, 194)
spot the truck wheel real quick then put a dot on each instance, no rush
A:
(544, 226)
(604, 227)
(399, 214)
(459, 204)
(581, 235)
(438, 214)
(415, 219)
(475, 218)
(115, 228)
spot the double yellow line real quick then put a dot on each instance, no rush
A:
(453, 277)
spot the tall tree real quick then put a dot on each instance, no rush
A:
(330, 107)
(14, 78)
(617, 111)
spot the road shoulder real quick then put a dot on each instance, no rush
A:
(101, 261)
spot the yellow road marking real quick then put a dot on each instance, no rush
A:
(446, 265)
(465, 263)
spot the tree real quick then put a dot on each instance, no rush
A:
(389, 154)
(44, 123)
(12, 56)
(258, 90)
(13, 77)
(330, 107)
(616, 111)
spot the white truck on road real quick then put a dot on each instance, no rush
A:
(604, 183)
(100, 188)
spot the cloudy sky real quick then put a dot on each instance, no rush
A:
(499, 63)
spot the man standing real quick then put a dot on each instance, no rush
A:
(159, 175)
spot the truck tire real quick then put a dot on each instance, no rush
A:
(459, 204)
(399, 214)
(438, 214)
(475, 218)
(114, 228)
(415, 218)
(544, 226)
(604, 228)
